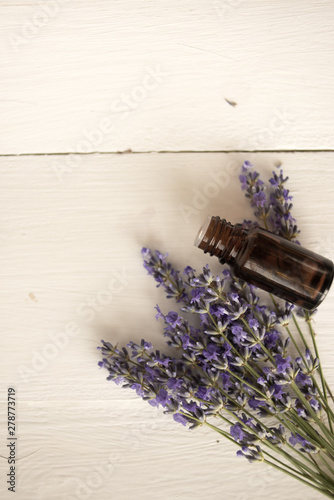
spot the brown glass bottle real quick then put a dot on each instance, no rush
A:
(268, 261)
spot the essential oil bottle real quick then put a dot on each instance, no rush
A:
(268, 261)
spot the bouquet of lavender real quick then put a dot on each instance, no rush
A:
(235, 373)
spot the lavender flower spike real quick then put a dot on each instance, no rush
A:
(229, 364)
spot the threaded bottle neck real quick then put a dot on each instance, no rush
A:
(221, 238)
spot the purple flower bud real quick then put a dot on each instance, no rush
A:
(181, 419)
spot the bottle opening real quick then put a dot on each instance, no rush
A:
(202, 232)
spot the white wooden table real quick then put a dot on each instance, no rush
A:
(114, 117)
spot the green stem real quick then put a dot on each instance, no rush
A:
(320, 372)
(326, 481)
(246, 364)
(312, 412)
(283, 421)
(268, 353)
(247, 383)
(329, 391)
(308, 432)
(300, 331)
(324, 383)
(300, 465)
(326, 444)
(323, 395)
(326, 463)
(225, 434)
(321, 490)
(303, 433)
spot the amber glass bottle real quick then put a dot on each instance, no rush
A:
(268, 261)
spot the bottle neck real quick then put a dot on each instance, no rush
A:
(221, 238)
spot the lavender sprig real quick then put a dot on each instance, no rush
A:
(284, 224)
(233, 363)
(274, 208)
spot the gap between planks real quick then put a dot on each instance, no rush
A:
(230, 151)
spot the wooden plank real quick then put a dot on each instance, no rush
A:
(65, 241)
(113, 449)
(113, 76)
(72, 273)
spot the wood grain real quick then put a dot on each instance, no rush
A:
(72, 273)
(166, 76)
(80, 82)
